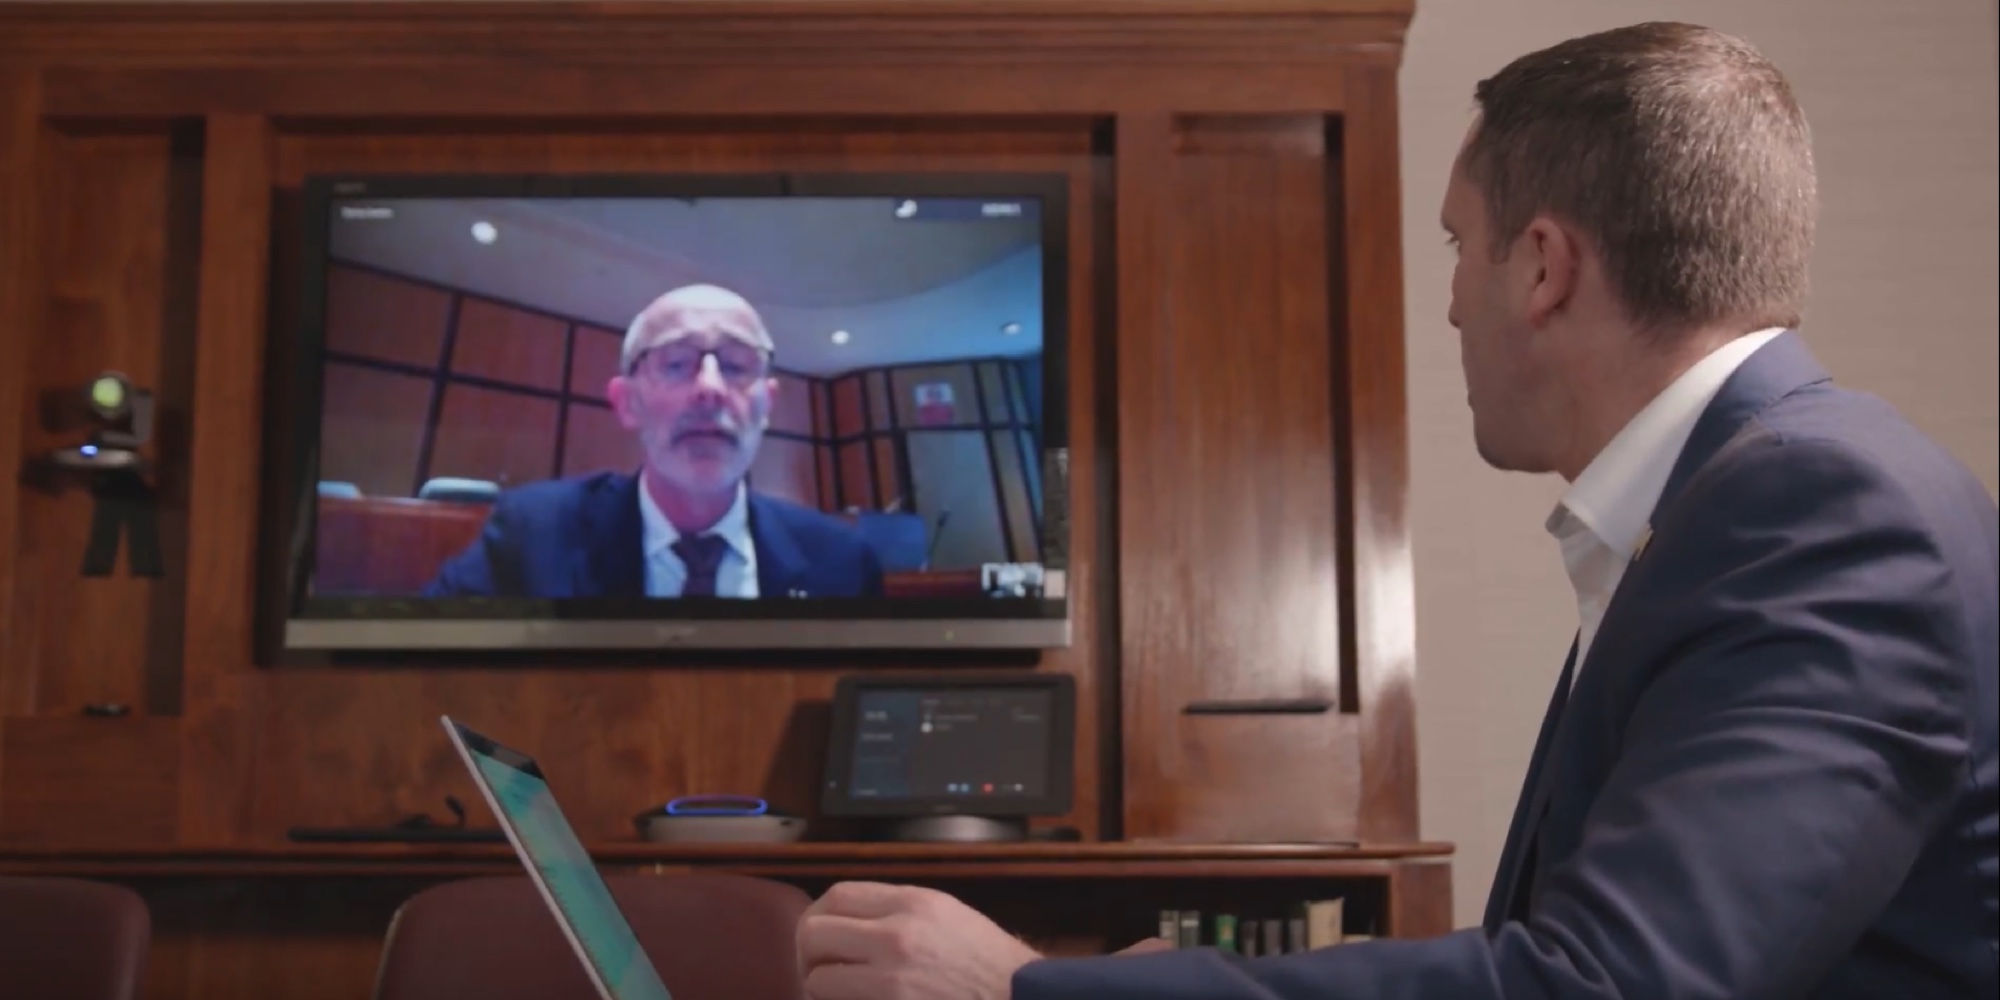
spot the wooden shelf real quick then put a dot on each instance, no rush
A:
(807, 860)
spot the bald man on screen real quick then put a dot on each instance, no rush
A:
(695, 384)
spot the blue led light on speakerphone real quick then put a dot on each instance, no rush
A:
(718, 805)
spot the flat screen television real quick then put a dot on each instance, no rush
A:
(771, 411)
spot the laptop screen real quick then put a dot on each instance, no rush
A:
(543, 836)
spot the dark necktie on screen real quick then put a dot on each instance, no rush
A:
(702, 555)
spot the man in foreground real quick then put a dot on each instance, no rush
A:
(1768, 769)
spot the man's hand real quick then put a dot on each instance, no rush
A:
(868, 941)
(1146, 947)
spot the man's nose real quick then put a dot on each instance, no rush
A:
(709, 376)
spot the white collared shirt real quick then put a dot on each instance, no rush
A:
(666, 574)
(1603, 517)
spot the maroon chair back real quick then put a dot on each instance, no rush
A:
(712, 936)
(71, 938)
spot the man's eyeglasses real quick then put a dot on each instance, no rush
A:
(739, 364)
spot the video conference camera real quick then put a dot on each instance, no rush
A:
(119, 416)
(122, 415)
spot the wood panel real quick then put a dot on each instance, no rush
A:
(1419, 900)
(119, 222)
(1381, 607)
(376, 545)
(626, 34)
(372, 427)
(1224, 404)
(375, 316)
(495, 435)
(1086, 859)
(22, 141)
(516, 347)
(218, 756)
(89, 782)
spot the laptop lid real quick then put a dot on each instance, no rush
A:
(560, 867)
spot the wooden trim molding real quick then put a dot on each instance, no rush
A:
(219, 684)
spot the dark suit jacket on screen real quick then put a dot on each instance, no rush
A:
(583, 537)
(1774, 777)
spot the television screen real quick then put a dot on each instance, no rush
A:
(622, 412)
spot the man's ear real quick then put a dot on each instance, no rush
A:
(618, 392)
(770, 397)
(1552, 250)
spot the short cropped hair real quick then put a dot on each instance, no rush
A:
(640, 332)
(1679, 150)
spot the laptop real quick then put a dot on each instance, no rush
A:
(560, 867)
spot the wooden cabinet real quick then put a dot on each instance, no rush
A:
(306, 924)
(1235, 377)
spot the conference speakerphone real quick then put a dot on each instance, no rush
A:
(718, 819)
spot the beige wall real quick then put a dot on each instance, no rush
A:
(1902, 100)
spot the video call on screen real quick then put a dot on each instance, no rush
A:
(971, 744)
(469, 344)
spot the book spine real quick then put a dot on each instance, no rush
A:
(1225, 932)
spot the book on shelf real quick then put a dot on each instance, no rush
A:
(1306, 926)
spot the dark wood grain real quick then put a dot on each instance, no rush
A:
(84, 781)
(1015, 89)
(21, 295)
(1036, 34)
(1383, 629)
(377, 545)
(1224, 408)
(334, 857)
(108, 206)
(1419, 900)
(222, 704)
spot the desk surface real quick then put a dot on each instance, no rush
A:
(832, 860)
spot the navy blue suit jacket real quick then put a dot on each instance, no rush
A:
(1774, 777)
(583, 537)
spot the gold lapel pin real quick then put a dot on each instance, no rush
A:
(1645, 539)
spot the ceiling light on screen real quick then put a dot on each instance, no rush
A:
(485, 232)
(842, 336)
(1010, 329)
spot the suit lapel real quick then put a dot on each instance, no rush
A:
(781, 565)
(1776, 370)
(612, 560)
(1528, 809)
